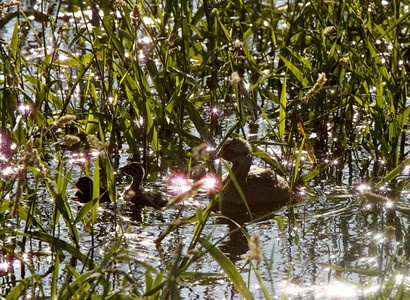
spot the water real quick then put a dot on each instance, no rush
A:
(329, 225)
(334, 227)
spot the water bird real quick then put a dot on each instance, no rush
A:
(264, 189)
(84, 193)
(139, 197)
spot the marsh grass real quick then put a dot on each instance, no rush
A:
(161, 78)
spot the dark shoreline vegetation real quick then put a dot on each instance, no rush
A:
(320, 89)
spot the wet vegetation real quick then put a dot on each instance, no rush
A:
(320, 89)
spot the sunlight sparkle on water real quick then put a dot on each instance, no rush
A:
(9, 172)
(4, 266)
(148, 21)
(24, 109)
(26, 256)
(324, 291)
(379, 238)
(362, 188)
(140, 121)
(372, 289)
(141, 55)
(211, 183)
(400, 278)
(95, 153)
(146, 40)
(62, 57)
(389, 204)
(215, 111)
(178, 184)
(77, 158)
(210, 149)
(370, 261)
(407, 169)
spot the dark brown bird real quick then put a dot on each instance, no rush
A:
(138, 197)
(264, 189)
(85, 191)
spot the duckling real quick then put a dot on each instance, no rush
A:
(263, 189)
(85, 191)
(135, 195)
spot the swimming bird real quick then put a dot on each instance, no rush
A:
(84, 194)
(264, 189)
(138, 197)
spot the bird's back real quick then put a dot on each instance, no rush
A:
(264, 190)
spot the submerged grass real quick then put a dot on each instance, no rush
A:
(329, 79)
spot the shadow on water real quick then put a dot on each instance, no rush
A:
(237, 220)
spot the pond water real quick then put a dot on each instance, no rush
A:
(331, 242)
(333, 227)
(328, 225)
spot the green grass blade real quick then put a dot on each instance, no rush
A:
(261, 283)
(282, 111)
(295, 172)
(24, 284)
(395, 24)
(394, 173)
(62, 245)
(197, 120)
(228, 267)
(295, 71)
(96, 190)
(14, 40)
(367, 272)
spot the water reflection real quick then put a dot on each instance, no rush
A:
(327, 290)
(301, 242)
(236, 243)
